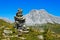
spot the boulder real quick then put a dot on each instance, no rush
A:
(40, 37)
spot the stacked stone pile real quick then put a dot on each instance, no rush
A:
(20, 24)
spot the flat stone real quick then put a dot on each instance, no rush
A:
(27, 28)
(40, 37)
(22, 38)
(7, 31)
(25, 31)
(20, 30)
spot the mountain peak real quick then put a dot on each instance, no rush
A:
(43, 10)
(40, 16)
(35, 11)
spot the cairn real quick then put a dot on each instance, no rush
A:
(20, 23)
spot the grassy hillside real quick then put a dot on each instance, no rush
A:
(51, 32)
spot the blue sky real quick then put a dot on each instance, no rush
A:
(8, 8)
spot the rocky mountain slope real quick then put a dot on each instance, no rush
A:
(40, 17)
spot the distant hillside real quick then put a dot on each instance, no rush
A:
(6, 24)
(6, 20)
(2, 22)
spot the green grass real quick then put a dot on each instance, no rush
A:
(32, 35)
(33, 32)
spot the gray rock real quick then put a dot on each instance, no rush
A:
(40, 37)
